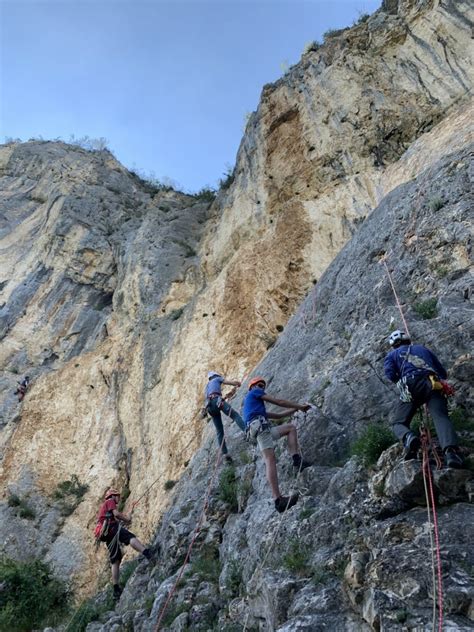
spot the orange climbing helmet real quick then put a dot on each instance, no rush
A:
(256, 380)
(111, 492)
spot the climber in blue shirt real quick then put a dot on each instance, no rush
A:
(420, 378)
(260, 430)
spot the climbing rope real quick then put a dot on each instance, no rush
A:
(157, 479)
(196, 532)
(427, 445)
(273, 539)
(428, 485)
(384, 261)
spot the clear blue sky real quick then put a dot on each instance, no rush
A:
(167, 83)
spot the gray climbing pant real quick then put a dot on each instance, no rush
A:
(437, 406)
(215, 407)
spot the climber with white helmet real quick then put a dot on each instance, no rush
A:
(216, 404)
(109, 529)
(261, 431)
(421, 379)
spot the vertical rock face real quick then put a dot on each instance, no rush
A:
(355, 552)
(117, 298)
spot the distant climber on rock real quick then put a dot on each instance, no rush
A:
(109, 529)
(421, 379)
(261, 430)
(22, 388)
(216, 404)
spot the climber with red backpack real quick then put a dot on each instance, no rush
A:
(22, 388)
(421, 379)
(110, 529)
(262, 432)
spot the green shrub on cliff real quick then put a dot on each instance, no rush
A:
(30, 596)
(374, 440)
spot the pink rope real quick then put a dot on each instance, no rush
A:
(194, 538)
(396, 296)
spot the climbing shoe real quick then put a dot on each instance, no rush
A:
(117, 592)
(228, 459)
(411, 444)
(148, 554)
(452, 458)
(299, 463)
(285, 502)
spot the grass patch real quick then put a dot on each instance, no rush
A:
(90, 610)
(234, 579)
(228, 488)
(333, 33)
(461, 420)
(319, 575)
(227, 178)
(172, 613)
(207, 565)
(296, 559)
(245, 457)
(369, 446)
(427, 309)
(363, 18)
(21, 507)
(148, 604)
(311, 46)
(206, 194)
(127, 570)
(436, 203)
(169, 485)
(31, 597)
(306, 513)
(69, 494)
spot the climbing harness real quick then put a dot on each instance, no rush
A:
(255, 428)
(428, 485)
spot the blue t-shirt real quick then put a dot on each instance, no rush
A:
(412, 360)
(254, 406)
(214, 386)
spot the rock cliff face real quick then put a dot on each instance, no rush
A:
(117, 298)
(354, 553)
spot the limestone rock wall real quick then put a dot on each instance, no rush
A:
(354, 554)
(117, 298)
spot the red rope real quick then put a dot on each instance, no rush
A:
(194, 538)
(395, 295)
(426, 442)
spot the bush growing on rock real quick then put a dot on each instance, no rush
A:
(21, 507)
(228, 488)
(31, 597)
(374, 440)
(426, 309)
(69, 494)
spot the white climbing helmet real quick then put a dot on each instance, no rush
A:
(213, 374)
(397, 336)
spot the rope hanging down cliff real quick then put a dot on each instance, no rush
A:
(428, 486)
(196, 532)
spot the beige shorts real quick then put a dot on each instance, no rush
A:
(267, 438)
